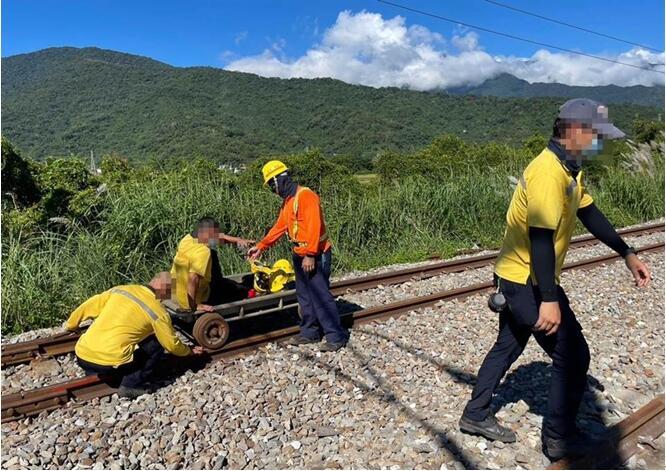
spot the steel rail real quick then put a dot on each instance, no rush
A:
(47, 347)
(622, 440)
(30, 403)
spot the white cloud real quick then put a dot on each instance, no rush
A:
(240, 37)
(364, 48)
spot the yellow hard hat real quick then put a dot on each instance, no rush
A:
(273, 169)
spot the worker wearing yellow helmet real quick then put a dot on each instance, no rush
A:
(302, 219)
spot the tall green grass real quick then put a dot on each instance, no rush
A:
(47, 274)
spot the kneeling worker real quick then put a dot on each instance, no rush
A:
(196, 269)
(302, 219)
(130, 331)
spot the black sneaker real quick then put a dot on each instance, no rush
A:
(132, 393)
(331, 346)
(579, 444)
(489, 428)
(300, 340)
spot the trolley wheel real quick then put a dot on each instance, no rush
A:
(211, 331)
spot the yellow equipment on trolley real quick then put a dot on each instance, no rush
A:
(273, 279)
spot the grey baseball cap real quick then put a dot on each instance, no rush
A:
(584, 110)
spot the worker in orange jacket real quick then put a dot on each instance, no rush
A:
(302, 219)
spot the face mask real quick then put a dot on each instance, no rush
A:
(594, 148)
(212, 243)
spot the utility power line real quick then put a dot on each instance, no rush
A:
(553, 20)
(518, 38)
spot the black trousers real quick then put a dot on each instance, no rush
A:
(567, 348)
(224, 290)
(133, 374)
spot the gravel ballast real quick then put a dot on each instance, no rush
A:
(392, 399)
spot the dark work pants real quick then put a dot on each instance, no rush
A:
(319, 312)
(136, 373)
(224, 290)
(567, 348)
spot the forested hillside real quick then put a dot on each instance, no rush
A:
(64, 101)
(506, 85)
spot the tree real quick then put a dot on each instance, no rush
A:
(646, 131)
(18, 182)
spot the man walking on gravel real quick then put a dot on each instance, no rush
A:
(130, 331)
(196, 269)
(302, 219)
(548, 199)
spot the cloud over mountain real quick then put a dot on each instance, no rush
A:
(364, 48)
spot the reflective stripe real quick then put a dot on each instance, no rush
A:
(323, 237)
(141, 304)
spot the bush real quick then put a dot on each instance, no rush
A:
(131, 231)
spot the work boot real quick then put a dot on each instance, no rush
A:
(300, 340)
(131, 393)
(489, 428)
(578, 444)
(331, 346)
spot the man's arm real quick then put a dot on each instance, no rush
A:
(166, 336)
(240, 242)
(88, 310)
(193, 280)
(274, 234)
(599, 226)
(595, 222)
(542, 257)
(192, 288)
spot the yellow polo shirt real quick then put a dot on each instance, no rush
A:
(191, 257)
(546, 196)
(123, 317)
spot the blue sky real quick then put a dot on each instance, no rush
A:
(220, 33)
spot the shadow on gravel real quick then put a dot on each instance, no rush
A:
(383, 391)
(530, 383)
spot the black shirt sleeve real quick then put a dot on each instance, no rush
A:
(595, 222)
(542, 254)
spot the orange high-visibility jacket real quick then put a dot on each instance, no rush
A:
(302, 219)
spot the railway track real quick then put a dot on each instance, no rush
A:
(29, 403)
(623, 439)
(47, 347)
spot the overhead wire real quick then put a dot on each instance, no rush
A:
(518, 38)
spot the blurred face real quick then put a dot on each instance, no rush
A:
(162, 285)
(208, 234)
(579, 137)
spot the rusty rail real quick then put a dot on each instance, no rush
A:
(24, 352)
(30, 403)
(622, 440)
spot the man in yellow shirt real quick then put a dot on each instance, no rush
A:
(196, 269)
(128, 336)
(546, 203)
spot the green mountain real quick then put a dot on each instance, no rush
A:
(63, 101)
(506, 85)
